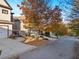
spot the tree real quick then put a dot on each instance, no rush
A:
(35, 12)
(74, 26)
(60, 29)
(40, 16)
(53, 20)
(63, 30)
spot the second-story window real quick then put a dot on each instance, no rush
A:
(4, 11)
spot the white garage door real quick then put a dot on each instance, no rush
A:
(3, 32)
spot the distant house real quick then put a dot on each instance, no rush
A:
(5, 19)
(18, 26)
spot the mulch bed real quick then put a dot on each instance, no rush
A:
(38, 42)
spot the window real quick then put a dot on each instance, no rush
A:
(4, 11)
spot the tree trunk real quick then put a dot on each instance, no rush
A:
(57, 36)
(29, 31)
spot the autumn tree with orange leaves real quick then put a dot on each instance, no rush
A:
(40, 16)
(35, 12)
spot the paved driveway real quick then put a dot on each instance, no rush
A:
(60, 49)
(11, 49)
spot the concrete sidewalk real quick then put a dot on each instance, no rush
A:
(60, 49)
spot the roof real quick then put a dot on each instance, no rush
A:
(21, 18)
(8, 7)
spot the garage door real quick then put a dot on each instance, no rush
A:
(3, 32)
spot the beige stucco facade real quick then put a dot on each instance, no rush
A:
(5, 28)
(5, 16)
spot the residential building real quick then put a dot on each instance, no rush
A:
(5, 19)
